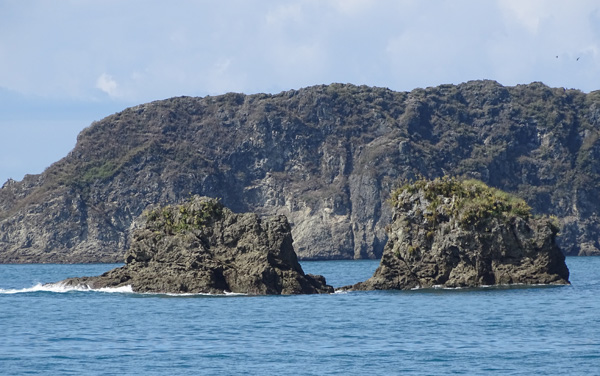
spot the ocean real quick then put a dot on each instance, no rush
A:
(501, 331)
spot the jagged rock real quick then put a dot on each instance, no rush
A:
(326, 157)
(453, 233)
(203, 247)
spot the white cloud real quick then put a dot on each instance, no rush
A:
(526, 13)
(107, 84)
(542, 40)
(224, 77)
(353, 6)
(153, 50)
(284, 14)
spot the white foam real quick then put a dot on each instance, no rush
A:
(179, 294)
(225, 293)
(122, 289)
(229, 293)
(62, 288)
(504, 286)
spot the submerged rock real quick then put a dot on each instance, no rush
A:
(453, 233)
(203, 247)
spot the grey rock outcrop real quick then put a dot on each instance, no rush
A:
(326, 157)
(454, 234)
(203, 247)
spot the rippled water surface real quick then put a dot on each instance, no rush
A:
(520, 331)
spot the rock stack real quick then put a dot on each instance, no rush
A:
(203, 247)
(452, 233)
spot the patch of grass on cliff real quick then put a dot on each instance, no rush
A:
(468, 201)
(105, 171)
(194, 214)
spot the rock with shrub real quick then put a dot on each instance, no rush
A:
(201, 246)
(452, 233)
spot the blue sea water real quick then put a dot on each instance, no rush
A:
(503, 331)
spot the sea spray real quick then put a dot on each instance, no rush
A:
(62, 288)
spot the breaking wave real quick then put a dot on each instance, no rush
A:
(62, 288)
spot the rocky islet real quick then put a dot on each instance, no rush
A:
(201, 246)
(445, 232)
(455, 234)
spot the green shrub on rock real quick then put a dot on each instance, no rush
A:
(194, 214)
(471, 201)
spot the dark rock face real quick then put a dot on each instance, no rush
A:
(326, 157)
(203, 247)
(463, 234)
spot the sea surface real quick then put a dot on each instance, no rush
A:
(502, 331)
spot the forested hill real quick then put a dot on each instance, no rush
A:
(325, 156)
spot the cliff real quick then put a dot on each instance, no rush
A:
(326, 157)
(203, 247)
(452, 233)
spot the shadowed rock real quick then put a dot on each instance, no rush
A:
(203, 247)
(454, 233)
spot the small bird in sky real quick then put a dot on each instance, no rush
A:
(578, 58)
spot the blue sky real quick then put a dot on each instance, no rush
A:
(64, 64)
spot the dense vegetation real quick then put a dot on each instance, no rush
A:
(471, 202)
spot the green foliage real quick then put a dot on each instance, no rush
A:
(469, 201)
(554, 223)
(102, 172)
(412, 249)
(194, 214)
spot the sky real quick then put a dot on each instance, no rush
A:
(65, 64)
